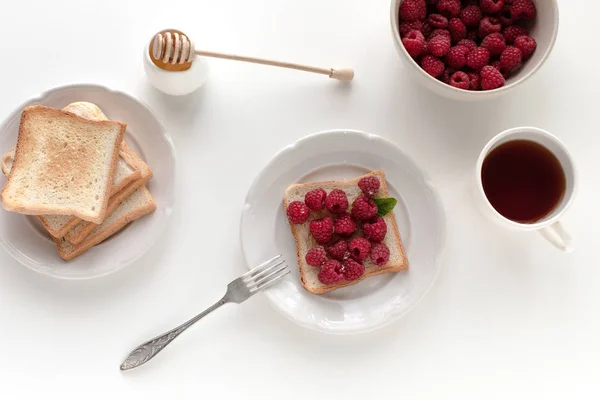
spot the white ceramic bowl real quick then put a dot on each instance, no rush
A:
(544, 32)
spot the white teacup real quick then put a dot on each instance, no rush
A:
(549, 226)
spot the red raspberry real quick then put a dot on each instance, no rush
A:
(491, 6)
(380, 254)
(439, 45)
(495, 44)
(364, 208)
(375, 231)
(491, 78)
(471, 16)
(489, 25)
(510, 59)
(297, 212)
(439, 32)
(412, 10)
(506, 16)
(315, 199)
(505, 73)
(359, 248)
(527, 45)
(316, 256)
(458, 30)
(406, 27)
(457, 57)
(414, 43)
(353, 270)
(336, 201)
(426, 29)
(322, 229)
(478, 58)
(468, 43)
(331, 272)
(513, 32)
(339, 250)
(523, 9)
(438, 21)
(432, 65)
(460, 80)
(474, 81)
(344, 225)
(448, 72)
(450, 8)
(369, 185)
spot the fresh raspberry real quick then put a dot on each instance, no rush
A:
(471, 16)
(439, 32)
(344, 225)
(506, 16)
(505, 73)
(359, 248)
(322, 229)
(297, 212)
(412, 10)
(458, 30)
(460, 80)
(450, 8)
(468, 43)
(439, 46)
(336, 201)
(316, 256)
(331, 272)
(315, 199)
(369, 185)
(495, 43)
(406, 27)
(380, 254)
(527, 45)
(457, 57)
(375, 231)
(478, 58)
(432, 65)
(364, 208)
(489, 25)
(523, 9)
(473, 35)
(339, 250)
(491, 78)
(491, 6)
(414, 43)
(511, 33)
(438, 21)
(448, 72)
(353, 270)
(511, 58)
(474, 81)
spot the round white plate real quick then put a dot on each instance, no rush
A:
(344, 154)
(24, 237)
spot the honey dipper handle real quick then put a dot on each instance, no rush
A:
(342, 74)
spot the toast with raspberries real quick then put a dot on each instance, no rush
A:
(345, 231)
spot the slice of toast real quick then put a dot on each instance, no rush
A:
(64, 165)
(83, 229)
(127, 172)
(304, 241)
(134, 207)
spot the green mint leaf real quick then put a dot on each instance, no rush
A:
(385, 205)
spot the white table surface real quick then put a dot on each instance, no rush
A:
(509, 316)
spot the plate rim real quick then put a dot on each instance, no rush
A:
(165, 135)
(438, 263)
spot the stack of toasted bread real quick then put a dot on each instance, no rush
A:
(72, 169)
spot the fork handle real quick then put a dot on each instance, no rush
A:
(146, 352)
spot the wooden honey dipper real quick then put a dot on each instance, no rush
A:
(172, 50)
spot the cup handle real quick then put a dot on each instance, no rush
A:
(558, 236)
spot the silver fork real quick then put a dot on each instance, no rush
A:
(238, 291)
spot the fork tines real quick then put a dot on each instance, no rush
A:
(266, 274)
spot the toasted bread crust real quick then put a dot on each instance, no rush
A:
(372, 271)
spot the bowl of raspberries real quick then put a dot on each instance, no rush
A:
(470, 49)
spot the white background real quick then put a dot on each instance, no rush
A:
(509, 316)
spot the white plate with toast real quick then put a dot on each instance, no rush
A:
(377, 300)
(96, 195)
